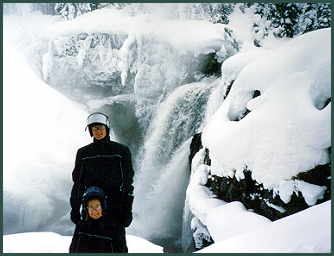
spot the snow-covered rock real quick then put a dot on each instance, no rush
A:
(269, 140)
(285, 131)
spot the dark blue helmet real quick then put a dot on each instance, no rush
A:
(92, 193)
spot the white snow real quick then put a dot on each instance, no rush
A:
(102, 20)
(42, 131)
(201, 199)
(308, 231)
(223, 220)
(235, 229)
(182, 34)
(310, 192)
(286, 132)
(242, 25)
(48, 242)
(233, 66)
(232, 219)
(276, 207)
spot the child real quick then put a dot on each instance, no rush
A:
(96, 232)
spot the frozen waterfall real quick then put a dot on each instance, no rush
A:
(144, 71)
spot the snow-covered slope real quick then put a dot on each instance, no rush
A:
(42, 130)
(47, 242)
(308, 231)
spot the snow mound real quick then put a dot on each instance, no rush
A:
(231, 219)
(276, 119)
(222, 219)
(48, 242)
(308, 231)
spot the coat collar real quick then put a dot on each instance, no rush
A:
(106, 139)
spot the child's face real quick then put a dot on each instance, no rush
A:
(94, 209)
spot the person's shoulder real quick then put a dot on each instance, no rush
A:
(120, 147)
(85, 148)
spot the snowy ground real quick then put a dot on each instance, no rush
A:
(47, 242)
(308, 231)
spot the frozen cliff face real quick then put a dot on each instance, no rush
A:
(147, 56)
(85, 65)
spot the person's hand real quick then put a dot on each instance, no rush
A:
(75, 218)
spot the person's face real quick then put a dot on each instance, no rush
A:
(99, 131)
(94, 209)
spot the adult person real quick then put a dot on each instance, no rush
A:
(105, 164)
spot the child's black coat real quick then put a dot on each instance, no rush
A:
(98, 236)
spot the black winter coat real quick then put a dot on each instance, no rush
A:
(98, 236)
(108, 165)
(105, 164)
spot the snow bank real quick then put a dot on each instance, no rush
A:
(47, 242)
(42, 131)
(101, 20)
(233, 66)
(288, 128)
(222, 219)
(232, 219)
(308, 231)
(200, 199)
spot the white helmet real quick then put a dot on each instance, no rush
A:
(98, 117)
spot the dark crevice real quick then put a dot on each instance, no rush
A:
(245, 111)
(228, 89)
(256, 93)
(326, 103)
(195, 146)
(321, 102)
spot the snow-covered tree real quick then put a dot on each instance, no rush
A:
(71, 10)
(314, 16)
(217, 12)
(286, 19)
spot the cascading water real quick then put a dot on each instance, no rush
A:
(145, 78)
(158, 213)
(164, 170)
